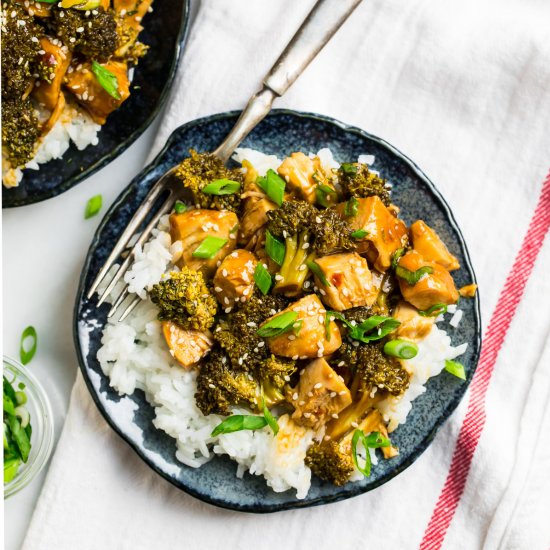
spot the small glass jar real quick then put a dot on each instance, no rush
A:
(41, 419)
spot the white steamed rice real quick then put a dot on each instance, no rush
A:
(134, 355)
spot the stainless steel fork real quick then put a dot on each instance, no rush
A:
(326, 17)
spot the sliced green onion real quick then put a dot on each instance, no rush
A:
(273, 186)
(262, 278)
(180, 207)
(222, 187)
(359, 234)
(106, 79)
(21, 397)
(23, 414)
(358, 435)
(318, 272)
(412, 277)
(374, 328)
(9, 407)
(434, 311)
(19, 436)
(455, 368)
(239, 422)
(348, 168)
(8, 389)
(270, 419)
(274, 248)
(93, 206)
(374, 440)
(395, 257)
(11, 466)
(322, 192)
(278, 325)
(352, 207)
(403, 349)
(29, 342)
(209, 247)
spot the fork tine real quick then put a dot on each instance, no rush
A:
(129, 309)
(164, 209)
(117, 302)
(131, 228)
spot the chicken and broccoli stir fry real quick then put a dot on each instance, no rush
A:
(301, 293)
(60, 58)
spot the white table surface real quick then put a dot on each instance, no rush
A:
(44, 246)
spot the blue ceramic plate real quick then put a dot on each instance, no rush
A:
(164, 31)
(131, 417)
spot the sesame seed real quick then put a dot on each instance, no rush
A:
(295, 358)
(334, 415)
(343, 392)
(301, 403)
(318, 386)
(217, 289)
(295, 396)
(307, 415)
(228, 309)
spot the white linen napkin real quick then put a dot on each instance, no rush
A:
(461, 88)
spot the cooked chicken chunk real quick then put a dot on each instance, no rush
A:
(433, 288)
(311, 340)
(234, 279)
(468, 291)
(57, 61)
(385, 232)
(319, 394)
(350, 282)
(193, 226)
(188, 347)
(256, 206)
(91, 95)
(298, 170)
(413, 325)
(428, 244)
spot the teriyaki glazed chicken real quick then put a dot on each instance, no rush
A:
(289, 317)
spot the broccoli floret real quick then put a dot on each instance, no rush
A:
(19, 52)
(307, 232)
(185, 299)
(20, 130)
(219, 386)
(242, 354)
(274, 374)
(356, 180)
(370, 367)
(98, 37)
(331, 460)
(200, 169)
(236, 333)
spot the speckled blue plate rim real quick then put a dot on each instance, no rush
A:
(295, 504)
(93, 168)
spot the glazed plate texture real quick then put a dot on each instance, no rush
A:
(164, 32)
(281, 133)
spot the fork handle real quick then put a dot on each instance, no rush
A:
(326, 17)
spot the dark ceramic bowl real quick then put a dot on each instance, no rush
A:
(164, 31)
(131, 416)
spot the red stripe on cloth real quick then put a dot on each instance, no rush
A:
(474, 420)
